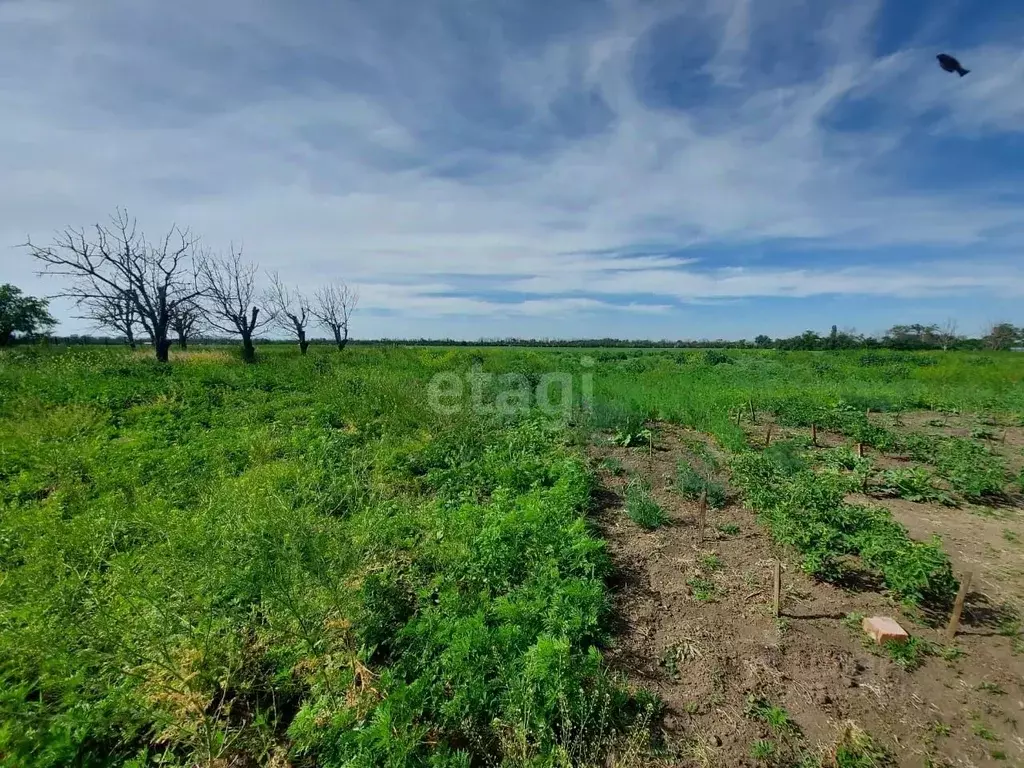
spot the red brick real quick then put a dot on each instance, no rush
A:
(882, 629)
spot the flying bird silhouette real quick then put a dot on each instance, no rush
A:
(950, 64)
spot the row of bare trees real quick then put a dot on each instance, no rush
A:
(126, 283)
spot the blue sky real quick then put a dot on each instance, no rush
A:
(629, 168)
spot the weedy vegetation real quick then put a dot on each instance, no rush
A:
(298, 562)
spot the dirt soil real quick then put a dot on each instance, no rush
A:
(696, 625)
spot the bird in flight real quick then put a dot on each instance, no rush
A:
(950, 64)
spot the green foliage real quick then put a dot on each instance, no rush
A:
(702, 589)
(21, 314)
(633, 436)
(641, 506)
(763, 750)
(729, 529)
(211, 563)
(914, 484)
(807, 511)
(691, 484)
(971, 470)
(614, 466)
(908, 655)
(772, 715)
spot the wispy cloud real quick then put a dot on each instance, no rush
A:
(525, 160)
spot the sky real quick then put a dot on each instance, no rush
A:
(540, 168)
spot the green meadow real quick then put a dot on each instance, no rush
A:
(304, 562)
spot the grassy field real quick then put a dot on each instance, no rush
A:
(306, 561)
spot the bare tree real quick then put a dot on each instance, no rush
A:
(118, 263)
(116, 312)
(334, 306)
(291, 310)
(229, 286)
(185, 319)
(947, 333)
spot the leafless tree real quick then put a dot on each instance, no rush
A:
(115, 312)
(117, 263)
(229, 287)
(291, 309)
(185, 320)
(947, 333)
(333, 307)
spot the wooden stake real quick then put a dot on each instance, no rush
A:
(958, 607)
(768, 437)
(702, 513)
(753, 416)
(777, 593)
(739, 412)
(860, 450)
(814, 435)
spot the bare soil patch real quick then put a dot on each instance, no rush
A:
(696, 626)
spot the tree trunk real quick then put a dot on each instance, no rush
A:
(341, 342)
(303, 344)
(248, 350)
(130, 338)
(5, 337)
(182, 343)
(163, 347)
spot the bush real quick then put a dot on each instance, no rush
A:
(807, 511)
(641, 507)
(916, 484)
(691, 484)
(972, 470)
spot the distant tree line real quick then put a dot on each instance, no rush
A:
(167, 290)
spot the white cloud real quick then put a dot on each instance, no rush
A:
(441, 146)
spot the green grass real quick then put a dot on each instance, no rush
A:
(299, 561)
(775, 717)
(729, 529)
(703, 589)
(807, 510)
(641, 506)
(692, 485)
(909, 655)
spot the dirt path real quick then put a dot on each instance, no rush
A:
(696, 626)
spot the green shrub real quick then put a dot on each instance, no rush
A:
(971, 470)
(691, 484)
(641, 506)
(807, 511)
(915, 484)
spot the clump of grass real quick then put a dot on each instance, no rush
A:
(763, 750)
(775, 717)
(993, 688)
(711, 562)
(983, 732)
(908, 655)
(641, 506)
(1011, 536)
(702, 589)
(613, 466)
(691, 485)
(856, 749)
(729, 529)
